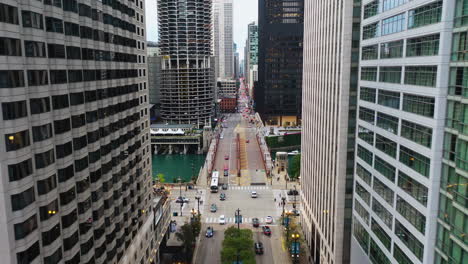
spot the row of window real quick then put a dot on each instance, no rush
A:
(15, 78)
(415, 47)
(18, 109)
(413, 75)
(418, 17)
(12, 47)
(378, 6)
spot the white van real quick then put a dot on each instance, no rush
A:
(254, 194)
(222, 220)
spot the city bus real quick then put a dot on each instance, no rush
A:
(214, 182)
(226, 170)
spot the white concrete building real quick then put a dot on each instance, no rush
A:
(223, 39)
(328, 110)
(403, 84)
(75, 163)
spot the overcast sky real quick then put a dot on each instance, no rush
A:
(245, 11)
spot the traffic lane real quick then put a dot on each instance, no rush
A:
(267, 256)
(209, 249)
(259, 207)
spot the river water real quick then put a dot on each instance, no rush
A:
(174, 166)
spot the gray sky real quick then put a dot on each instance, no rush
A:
(245, 11)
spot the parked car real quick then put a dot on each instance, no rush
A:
(209, 232)
(254, 194)
(258, 248)
(269, 220)
(222, 196)
(222, 220)
(225, 186)
(213, 208)
(266, 230)
(255, 222)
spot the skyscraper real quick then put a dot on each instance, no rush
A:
(252, 55)
(235, 74)
(75, 158)
(187, 85)
(223, 39)
(401, 126)
(328, 110)
(280, 34)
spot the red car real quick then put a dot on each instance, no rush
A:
(266, 230)
(226, 157)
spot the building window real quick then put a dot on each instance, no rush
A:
(389, 99)
(65, 173)
(384, 168)
(425, 15)
(70, 5)
(54, 258)
(81, 164)
(461, 14)
(390, 4)
(413, 188)
(411, 214)
(381, 234)
(400, 256)
(370, 31)
(361, 235)
(56, 51)
(423, 46)
(387, 122)
(46, 185)
(48, 211)
(32, 20)
(68, 196)
(11, 79)
(363, 174)
(8, 14)
(14, 110)
(386, 145)
(382, 213)
(364, 154)
(376, 254)
(366, 114)
(367, 94)
(416, 133)
(73, 53)
(415, 161)
(10, 47)
(393, 24)
(390, 74)
(75, 76)
(18, 140)
(70, 242)
(62, 126)
(69, 219)
(44, 159)
(369, 74)
(361, 211)
(58, 77)
(420, 105)
(60, 101)
(41, 133)
(57, 3)
(78, 121)
(460, 46)
(64, 150)
(20, 170)
(54, 25)
(39, 105)
(421, 75)
(37, 77)
(366, 135)
(384, 191)
(50, 236)
(34, 49)
(370, 52)
(391, 50)
(30, 254)
(25, 228)
(79, 143)
(363, 193)
(409, 240)
(459, 81)
(22, 200)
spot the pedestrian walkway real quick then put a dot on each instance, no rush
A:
(230, 220)
(252, 188)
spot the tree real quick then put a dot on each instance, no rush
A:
(295, 167)
(238, 241)
(188, 235)
(161, 178)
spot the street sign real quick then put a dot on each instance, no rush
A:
(286, 221)
(295, 248)
(238, 218)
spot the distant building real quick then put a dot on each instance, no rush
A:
(228, 104)
(251, 55)
(236, 63)
(223, 38)
(154, 61)
(226, 88)
(187, 83)
(278, 93)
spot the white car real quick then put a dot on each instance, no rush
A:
(269, 220)
(254, 194)
(222, 220)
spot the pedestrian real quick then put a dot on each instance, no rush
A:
(275, 200)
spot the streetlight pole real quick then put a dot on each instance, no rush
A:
(283, 201)
(198, 201)
(294, 204)
(238, 228)
(180, 195)
(295, 237)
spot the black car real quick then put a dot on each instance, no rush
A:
(255, 222)
(258, 248)
(293, 192)
(209, 232)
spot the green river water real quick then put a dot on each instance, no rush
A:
(174, 166)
